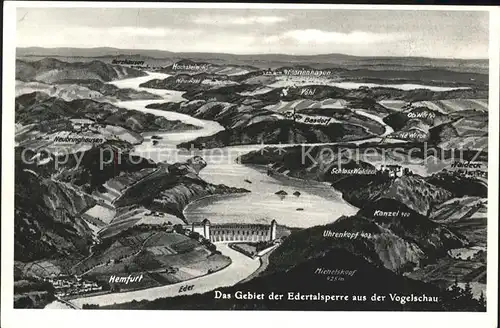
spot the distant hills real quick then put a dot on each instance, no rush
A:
(50, 70)
(265, 60)
(88, 52)
(108, 51)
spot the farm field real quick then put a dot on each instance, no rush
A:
(121, 182)
(453, 105)
(129, 216)
(65, 91)
(155, 219)
(442, 106)
(449, 211)
(115, 228)
(397, 105)
(474, 228)
(300, 104)
(100, 213)
(168, 256)
(472, 126)
(41, 269)
(466, 143)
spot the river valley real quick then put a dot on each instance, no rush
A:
(320, 203)
(315, 203)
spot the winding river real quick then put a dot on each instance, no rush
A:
(241, 267)
(318, 203)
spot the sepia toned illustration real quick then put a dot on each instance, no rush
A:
(251, 159)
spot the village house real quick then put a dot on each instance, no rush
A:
(65, 286)
(80, 124)
(394, 171)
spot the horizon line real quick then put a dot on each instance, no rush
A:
(247, 54)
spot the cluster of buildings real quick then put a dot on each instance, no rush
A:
(468, 169)
(86, 124)
(67, 286)
(467, 173)
(394, 171)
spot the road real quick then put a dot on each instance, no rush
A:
(240, 268)
(61, 304)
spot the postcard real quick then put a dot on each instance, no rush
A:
(266, 157)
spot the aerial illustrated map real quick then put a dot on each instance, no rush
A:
(231, 159)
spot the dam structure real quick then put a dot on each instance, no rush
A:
(234, 232)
